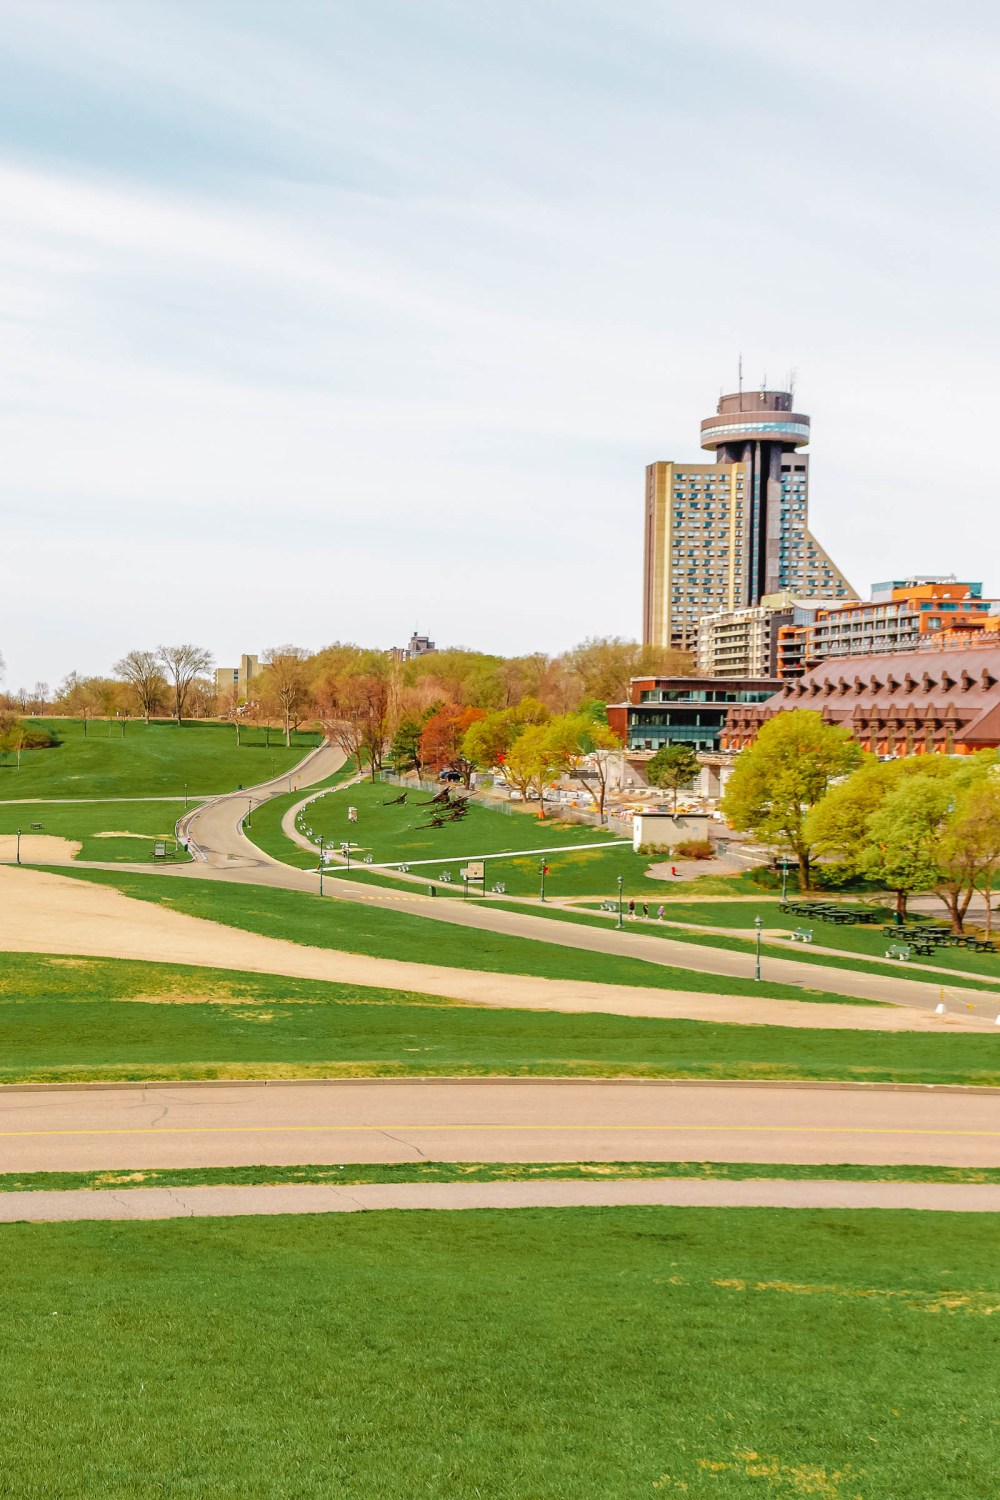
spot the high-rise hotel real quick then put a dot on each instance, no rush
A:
(722, 535)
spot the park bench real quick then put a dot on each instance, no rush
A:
(984, 945)
(802, 935)
(898, 950)
(35, 827)
(609, 906)
(499, 889)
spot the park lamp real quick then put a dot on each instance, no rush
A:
(758, 924)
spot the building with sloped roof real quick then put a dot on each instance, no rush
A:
(897, 703)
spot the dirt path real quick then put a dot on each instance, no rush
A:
(45, 913)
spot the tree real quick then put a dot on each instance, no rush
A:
(604, 665)
(404, 753)
(673, 767)
(532, 761)
(182, 664)
(75, 696)
(488, 740)
(976, 829)
(356, 714)
(903, 838)
(442, 739)
(141, 670)
(285, 682)
(585, 750)
(784, 773)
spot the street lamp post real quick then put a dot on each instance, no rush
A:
(321, 864)
(758, 924)
(542, 870)
(249, 811)
(19, 846)
(784, 876)
(346, 851)
(621, 882)
(185, 796)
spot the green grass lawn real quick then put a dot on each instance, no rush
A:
(853, 942)
(519, 1355)
(151, 760)
(401, 833)
(354, 1174)
(301, 917)
(64, 1020)
(94, 825)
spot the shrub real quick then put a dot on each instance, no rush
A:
(694, 849)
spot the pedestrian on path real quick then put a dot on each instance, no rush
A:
(659, 913)
(631, 907)
(645, 909)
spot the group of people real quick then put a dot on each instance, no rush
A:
(645, 909)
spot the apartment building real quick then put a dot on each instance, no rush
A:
(681, 710)
(723, 536)
(237, 680)
(759, 641)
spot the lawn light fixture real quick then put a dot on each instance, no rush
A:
(758, 924)
(621, 882)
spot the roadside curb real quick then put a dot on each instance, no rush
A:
(507, 1079)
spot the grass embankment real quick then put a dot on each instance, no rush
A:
(111, 831)
(301, 917)
(354, 1175)
(607, 1353)
(401, 833)
(67, 1020)
(800, 952)
(150, 760)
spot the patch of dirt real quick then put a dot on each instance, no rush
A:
(38, 849)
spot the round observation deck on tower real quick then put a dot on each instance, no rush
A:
(755, 417)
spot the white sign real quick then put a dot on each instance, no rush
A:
(474, 871)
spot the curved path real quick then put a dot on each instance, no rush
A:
(216, 828)
(484, 1120)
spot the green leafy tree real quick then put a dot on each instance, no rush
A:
(404, 753)
(783, 774)
(903, 840)
(673, 767)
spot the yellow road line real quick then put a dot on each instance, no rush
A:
(556, 1129)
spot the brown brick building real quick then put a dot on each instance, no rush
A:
(911, 703)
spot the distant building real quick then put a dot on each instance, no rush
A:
(746, 642)
(417, 645)
(237, 680)
(894, 703)
(682, 710)
(723, 536)
(900, 616)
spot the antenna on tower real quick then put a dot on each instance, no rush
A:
(740, 369)
(791, 384)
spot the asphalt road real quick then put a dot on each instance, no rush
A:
(306, 1198)
(388, 1120)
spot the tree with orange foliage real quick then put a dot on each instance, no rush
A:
(441, 739)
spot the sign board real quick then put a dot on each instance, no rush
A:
(475, 870)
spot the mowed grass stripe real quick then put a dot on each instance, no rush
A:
(85, 1019)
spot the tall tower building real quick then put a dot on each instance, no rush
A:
(721, 536)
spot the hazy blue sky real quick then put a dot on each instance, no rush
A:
(324, 320)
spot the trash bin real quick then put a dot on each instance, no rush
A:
(431, 890)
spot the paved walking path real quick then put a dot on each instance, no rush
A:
(365, 1120)
(303, 1198)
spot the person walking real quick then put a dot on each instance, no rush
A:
(631, 908)
(645, 909)
(659, 913)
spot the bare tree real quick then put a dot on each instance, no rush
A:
(286, 682)
(141, 670)
(39, 697)
(356, 713)
(181, 665)
(75, 696)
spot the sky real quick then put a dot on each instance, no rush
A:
(325, 321)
